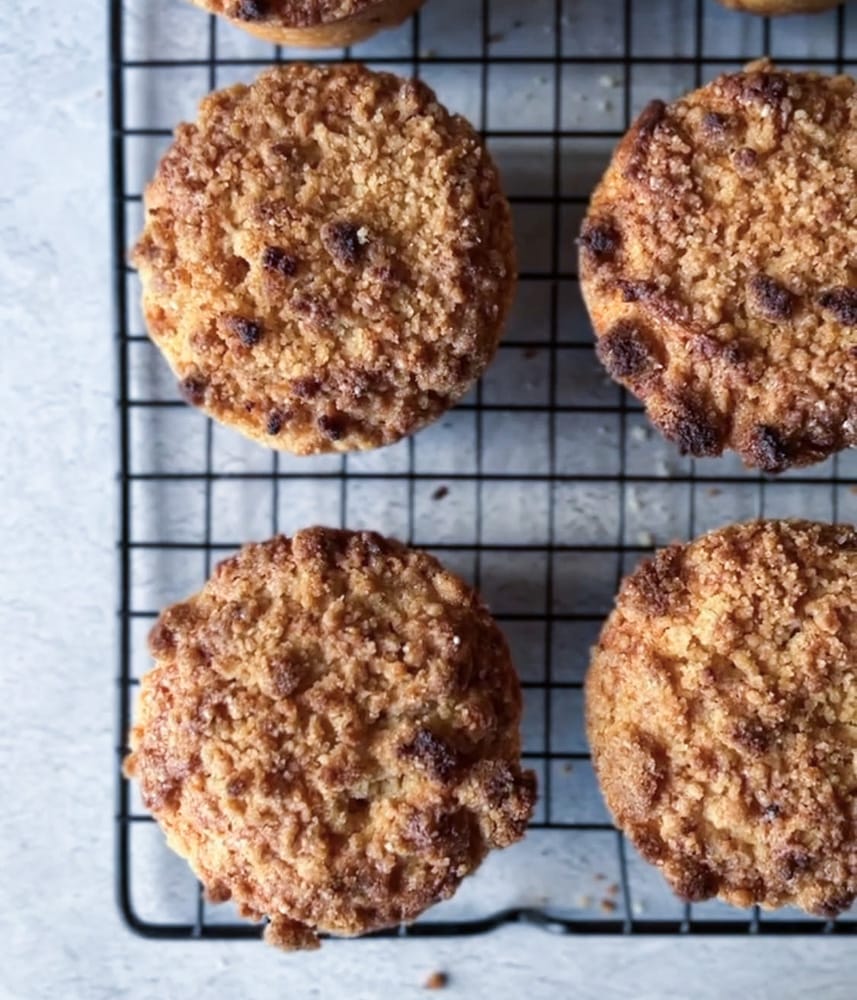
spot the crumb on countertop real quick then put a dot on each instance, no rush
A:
(436, 981)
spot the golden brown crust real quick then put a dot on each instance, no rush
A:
(313, 23)
(782, 6)
(328, 258)
(330, 735)
(718, 264)
(722, 714)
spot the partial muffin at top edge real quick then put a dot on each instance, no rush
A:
(782, 6)
(313, 23)
(717, 262)
(722, 714)
(330, 735)
(327, 259)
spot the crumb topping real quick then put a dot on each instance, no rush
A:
(719, 264)
(722, 714)
(330, 735)
(356, 229)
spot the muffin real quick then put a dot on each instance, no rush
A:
(330, 735)
(722, 713)
(313, 23)
(782, 6)
(717, 263)
(327, 259)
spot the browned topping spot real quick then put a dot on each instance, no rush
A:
(762, 86)
(842, 302)
(635, 291)
(333, 427)
(716, 125)
(696, 882)
(650, 117)
(217, 892)
(278, 260)
(601, 240)
(236, 787)
(314, 308)
(773, 300)
(769, 450)
(745, 158)
(624, 351)
(342, 242)
(770, 88)
(752, 735)
(716, 350)
(650, 846)
(794, 863)
(161, 639)
(501, 784)
(276, 421)
(436, 981)
(306, 388)
(659, 579)
(431, 753)
(248, 331)
(692, 430)
(193, 389)
(835, 904)
(235, 270)
(286, 676)
(251, 10)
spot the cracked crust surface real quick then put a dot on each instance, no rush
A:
(722, 714)
(781, 6)
(719, 266)
(320, 23)
(330, 735)
(327, 259)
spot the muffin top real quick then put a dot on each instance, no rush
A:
(782, 6)
(719, 265)
(288, 13)
(330, 734)
(722, 713)
(327, 257)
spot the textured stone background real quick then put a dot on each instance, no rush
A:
(60, 932)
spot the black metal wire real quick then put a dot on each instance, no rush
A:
(555, 65)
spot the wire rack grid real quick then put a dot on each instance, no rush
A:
(542, 488)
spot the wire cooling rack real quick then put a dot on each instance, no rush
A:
(543, 487)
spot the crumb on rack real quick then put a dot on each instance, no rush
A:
(608, 905)
(440, 493)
